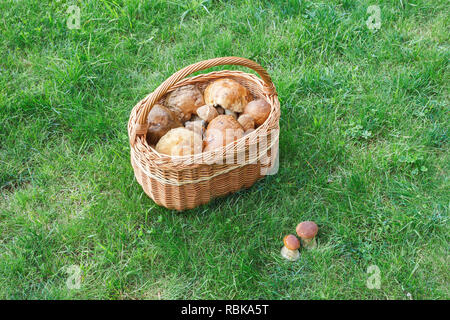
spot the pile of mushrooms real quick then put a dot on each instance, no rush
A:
(307, 231)
(189, 121)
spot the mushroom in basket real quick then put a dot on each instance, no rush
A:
(228, 94)
(221, 131)
(160, 120)
(259, 110)
(207, 112)
(180, 142)
(184, 101)
(246, 122)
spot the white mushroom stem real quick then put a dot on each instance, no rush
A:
(291, 255)
(309, 243)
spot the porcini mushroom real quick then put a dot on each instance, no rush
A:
(180, 142)
(160, 120)
(290, 248)
(246, 122)
(184, 101)
(221, 131)
(259, 110)
(207, 112)
(228, 94)
(198, 126)
(307, 231)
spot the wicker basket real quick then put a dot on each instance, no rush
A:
(186, 182)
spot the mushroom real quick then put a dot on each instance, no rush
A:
(246, 122)
(198, 126)
(184, 101)
(160, 120)
(207, 112)
(221, 131)
(180, 142)
(259, 110)
(307, 231)
(227, 94)
(290, 248)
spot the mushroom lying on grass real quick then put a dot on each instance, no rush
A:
(307, 231)
(290, 248)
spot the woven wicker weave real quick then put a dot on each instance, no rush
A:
(186, 182)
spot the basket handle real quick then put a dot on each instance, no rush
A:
(141, 123)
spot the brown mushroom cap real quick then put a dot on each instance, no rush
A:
(160, 120)
(184, 101)
(221, 131)
(198, 126)
(180, 142)
(207, 112)
(246, 122)
(228, 94)
(307, 229)
(223, 122)
(291, 242)
(259, 110)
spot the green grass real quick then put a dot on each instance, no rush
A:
(363, 151)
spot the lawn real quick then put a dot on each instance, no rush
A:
(363, 152)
